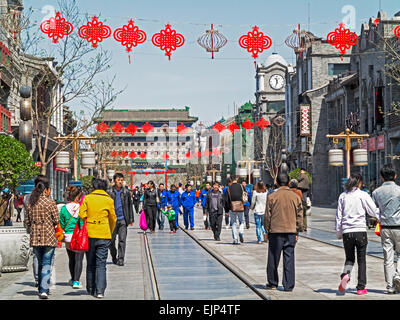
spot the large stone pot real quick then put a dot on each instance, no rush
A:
(14, 249)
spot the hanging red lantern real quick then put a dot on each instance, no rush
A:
(133, 155)
(188, 155)
(233, 127)
(168, 171)
(94, 31)
(173, 171)
(262, 123)
(114, 154)
(131, 129)
(123, 154)
(165, 156)
(397, 33)
(300, 40)
(181, 128)
(212, 41)
(117, 128)
(197, 154)
(56, 27)
(163, 172)
(158, 172)
(255, 42)
(146, 173)
(342, 39)
(143, 156)
(130, 35)
(168, 40)
(102, 127)
(218, 127)
(247, 124)
(132, 172)
(147, 127)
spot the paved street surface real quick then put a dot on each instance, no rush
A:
(128, 282)
(184, 270)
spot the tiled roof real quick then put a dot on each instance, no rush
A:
(148, 115)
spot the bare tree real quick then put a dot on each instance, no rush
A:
(78, 76)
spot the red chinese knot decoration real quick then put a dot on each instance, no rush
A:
(123, 154)
(181, 128)
(188, 155)
(262, 123)
(130, 35)
(142, 156)
(114, 154)
(248, 124)
(94, 31)
(233, 127)
(342, 39)
(117, 128)
(56, 27)
(168, 40)
(102, 127)
(397, 33)
(218, 127)
(255, 42)
(133, 155)
(147, 127)
(131, 129)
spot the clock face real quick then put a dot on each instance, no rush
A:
(276, 82)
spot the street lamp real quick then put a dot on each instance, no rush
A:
(335, 154)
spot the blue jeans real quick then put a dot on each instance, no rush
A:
(96, 258)
(259, 220)
(233, 217)
(44, 256)
(188, 215)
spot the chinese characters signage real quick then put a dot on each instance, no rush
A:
(305, 120)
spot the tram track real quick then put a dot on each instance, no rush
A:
(221, 260)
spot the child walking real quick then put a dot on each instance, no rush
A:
(170, 213)
(353, 204)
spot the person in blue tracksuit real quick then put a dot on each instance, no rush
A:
(203, 196)
(247, 204)
(188, 200)
(162, 195)
(173, 198)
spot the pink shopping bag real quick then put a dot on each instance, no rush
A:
(143, 222)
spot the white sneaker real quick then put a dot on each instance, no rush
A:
(100, 296)
(43, 295)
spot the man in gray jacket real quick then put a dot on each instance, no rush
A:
(387, 198)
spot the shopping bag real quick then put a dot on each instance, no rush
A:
(143, 222)
(80, 238)
(378, 229)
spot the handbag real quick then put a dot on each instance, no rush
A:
(143, 221)
(60, 231)
(378, 229)
(237, 206)
(80, 238)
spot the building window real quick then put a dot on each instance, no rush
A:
(120, 144)
(132, 144)
(138, 144)
(145, 144)
(114, 144)
(337, 68)
(126, 144)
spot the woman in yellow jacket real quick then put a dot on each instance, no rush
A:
(98, 210)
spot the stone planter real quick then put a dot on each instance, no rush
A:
(14, 249)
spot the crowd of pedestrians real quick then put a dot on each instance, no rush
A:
(279, 216)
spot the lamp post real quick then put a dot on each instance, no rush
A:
(75, 147)
(347, 135)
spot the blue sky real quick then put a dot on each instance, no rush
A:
(209, 87)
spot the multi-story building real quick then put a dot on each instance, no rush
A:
(306, 128)
(163, 141)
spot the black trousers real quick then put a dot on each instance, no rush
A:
(172, 225)
(121, 230)
(19, 215)
(246, 215)
(216, 224)
(75, 264)
(351, 242)
(278, 242)
(151, 215)
(205, 218)
(136, 205)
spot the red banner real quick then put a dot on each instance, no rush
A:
(372, 144)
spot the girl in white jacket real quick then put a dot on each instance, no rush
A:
(258, 206)
(353, 204)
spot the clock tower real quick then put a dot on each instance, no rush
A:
(270, 101)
